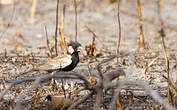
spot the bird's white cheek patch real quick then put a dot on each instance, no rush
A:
(70, 49)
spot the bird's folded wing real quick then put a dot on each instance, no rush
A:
(60, 62)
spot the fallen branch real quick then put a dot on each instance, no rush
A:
(142, 84)
(22, 96)
(84, 98)
(13, 84)
(45, 78)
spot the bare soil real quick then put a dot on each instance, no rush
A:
(21, 46)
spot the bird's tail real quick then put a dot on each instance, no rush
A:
(29, 71)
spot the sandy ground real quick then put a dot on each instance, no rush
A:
(101, 17)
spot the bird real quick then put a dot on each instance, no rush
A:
(66, 62)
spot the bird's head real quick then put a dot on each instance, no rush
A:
(74, 47)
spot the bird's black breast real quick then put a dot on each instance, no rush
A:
(75, 61)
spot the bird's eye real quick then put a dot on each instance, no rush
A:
(79, 49)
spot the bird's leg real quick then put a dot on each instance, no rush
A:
(63, 88)
(54, 83)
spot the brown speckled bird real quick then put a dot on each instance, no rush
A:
(61, 63)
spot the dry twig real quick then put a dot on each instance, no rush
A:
(171, 84)
(119, 29)
(93, 41)
(47, 42)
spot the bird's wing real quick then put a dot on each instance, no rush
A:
(60, 62)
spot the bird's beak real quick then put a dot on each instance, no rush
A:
(79, 49)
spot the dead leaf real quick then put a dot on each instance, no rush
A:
(42, 47)
(18, 48)
(91, 49)
(111, 1)
(93, 80)
(17, 89)
(19, 35)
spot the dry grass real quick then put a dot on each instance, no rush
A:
(107, 84)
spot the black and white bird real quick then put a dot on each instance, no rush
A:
(65, 62)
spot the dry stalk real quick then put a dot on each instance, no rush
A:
(5, 53)
(56, 29)
(99, 89)
(9, 23)
(149, 21)
(119, 105)
(32, 12)
(75, 19)
(171, 84)
(47, 42)
(141, 40)
(100, 84)
(119, 29)
(62, 37)
(99, 98)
